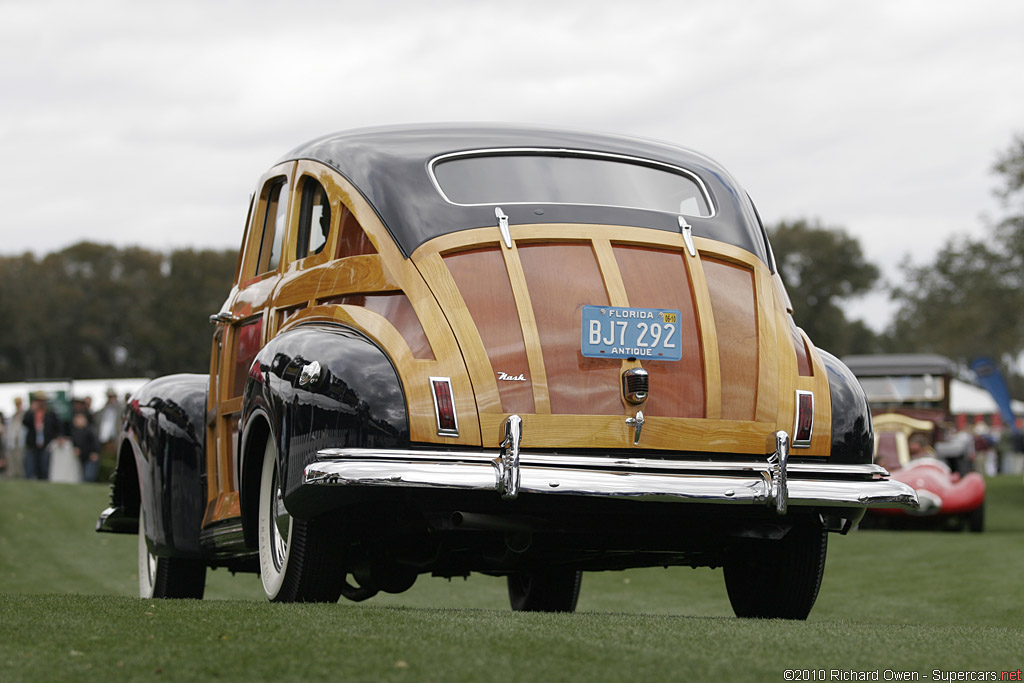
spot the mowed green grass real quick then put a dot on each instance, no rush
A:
(890, 601)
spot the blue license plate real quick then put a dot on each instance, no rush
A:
(626, 332)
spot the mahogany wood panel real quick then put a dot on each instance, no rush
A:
(803, 360)
(353, 240)
(659, 279)
(562, 278)
(247, 344)
(484, 283)
(732, 297)
(399, 312)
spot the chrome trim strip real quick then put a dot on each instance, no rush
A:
(225, 535)
(726, 483)
(554, 460)
(509, 151)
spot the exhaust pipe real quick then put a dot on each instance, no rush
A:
(518, 534)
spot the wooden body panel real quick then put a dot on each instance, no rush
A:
(738, 349)
(468, 307)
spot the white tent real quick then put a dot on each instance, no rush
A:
(971, 400)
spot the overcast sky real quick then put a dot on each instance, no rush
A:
(148, 123)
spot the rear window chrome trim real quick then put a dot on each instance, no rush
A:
(580, 153)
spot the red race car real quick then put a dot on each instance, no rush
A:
(948, 499)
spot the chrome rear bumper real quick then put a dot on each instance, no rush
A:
(773, 481)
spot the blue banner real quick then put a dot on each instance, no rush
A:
(992, 381)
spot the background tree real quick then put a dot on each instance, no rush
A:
(823, 267)
(93, 310)
(968, 301)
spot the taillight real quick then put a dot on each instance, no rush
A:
(444, 407)
(804, 419)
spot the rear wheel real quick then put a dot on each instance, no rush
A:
(777, 579)
(167, 577)
(545, 590)
(299, 559)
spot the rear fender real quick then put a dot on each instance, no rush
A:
(161, 463)
(852, 433)
(354, 400)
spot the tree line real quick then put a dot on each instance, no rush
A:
(96, 311)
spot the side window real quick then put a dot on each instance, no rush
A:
(314, 219)
(275, 222)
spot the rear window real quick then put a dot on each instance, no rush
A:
(896, 389)
(538, 177)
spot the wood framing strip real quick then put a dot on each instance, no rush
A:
(528, 323)
(616, 289)
(667, 433)
(767, 368)
(786, 359)
(821, 437)
(610, 273)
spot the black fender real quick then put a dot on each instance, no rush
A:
(355, 401)
(161, 464)
(853, 439)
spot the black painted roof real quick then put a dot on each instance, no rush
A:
(389, 167)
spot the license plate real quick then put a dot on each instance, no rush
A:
(626, 332)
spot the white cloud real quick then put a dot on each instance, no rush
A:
(135, 123)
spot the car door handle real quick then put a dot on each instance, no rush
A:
(223, 317)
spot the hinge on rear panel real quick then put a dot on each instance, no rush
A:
(687, 231)
(506, 236)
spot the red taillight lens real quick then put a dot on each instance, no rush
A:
(804, 419)
(444, 407)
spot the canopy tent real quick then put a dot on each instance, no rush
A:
(972, 400)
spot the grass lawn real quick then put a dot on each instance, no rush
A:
(897, 601)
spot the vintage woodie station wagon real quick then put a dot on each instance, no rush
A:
(519, 351)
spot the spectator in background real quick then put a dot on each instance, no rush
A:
(108, 426)
(3, 444)
(14, 440)
(920, 446)
(108, 419)
(86, 446)
(42, 426)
